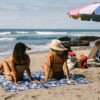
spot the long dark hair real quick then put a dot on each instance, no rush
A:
(19, 53)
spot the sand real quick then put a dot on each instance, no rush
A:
(70, 92)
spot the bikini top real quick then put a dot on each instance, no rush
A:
(15, 64)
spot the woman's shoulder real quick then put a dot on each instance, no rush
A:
(11, 58)
(50, 54)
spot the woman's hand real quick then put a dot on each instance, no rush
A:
(71, 81)
(34, 81)
(18, 83)
(43, 81)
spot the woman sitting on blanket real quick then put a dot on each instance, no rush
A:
(17, 64)
(55, 64)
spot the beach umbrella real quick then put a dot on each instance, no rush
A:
(88, 12)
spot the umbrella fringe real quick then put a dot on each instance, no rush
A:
(86, 17)
(75, 16)
(96, 18)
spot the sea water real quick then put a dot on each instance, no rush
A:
(37, 39)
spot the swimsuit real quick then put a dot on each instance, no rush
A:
(15, 64)
(10, 76)
(54, 64)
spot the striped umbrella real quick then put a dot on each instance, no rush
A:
(89, 12)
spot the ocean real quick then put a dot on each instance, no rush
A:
(37, 39)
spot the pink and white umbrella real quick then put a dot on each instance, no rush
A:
(89, 12)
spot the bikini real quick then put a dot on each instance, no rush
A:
(15, 65)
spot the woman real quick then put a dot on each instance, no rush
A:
(55, 64)
(17, 64)
(72, 59)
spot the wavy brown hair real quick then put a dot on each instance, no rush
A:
(19, 53)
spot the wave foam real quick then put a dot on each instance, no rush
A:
(5, 33)
(7, 39)
(21, 32)
(50, 33)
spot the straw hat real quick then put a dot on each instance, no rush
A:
(56, 45)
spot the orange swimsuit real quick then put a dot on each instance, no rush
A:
(54, 64)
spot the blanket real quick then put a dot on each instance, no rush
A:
(10, 86)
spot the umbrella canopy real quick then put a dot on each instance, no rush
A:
(89, 12)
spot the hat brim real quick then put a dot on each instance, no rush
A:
(28, 48)
(56, 48)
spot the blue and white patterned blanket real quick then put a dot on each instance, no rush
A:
(9, 86)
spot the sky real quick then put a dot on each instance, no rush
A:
(42, 14)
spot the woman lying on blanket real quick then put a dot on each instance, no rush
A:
(55, 64)
(17, 64)
(72, 59)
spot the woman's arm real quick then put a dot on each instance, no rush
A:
(47, 66)
(66, 70)
(28, 69)
(13, 70)
(46, 71)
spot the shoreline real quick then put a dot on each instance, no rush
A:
(36, 52)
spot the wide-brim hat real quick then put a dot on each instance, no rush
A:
(57, 45)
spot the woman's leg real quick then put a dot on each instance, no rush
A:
(7, 70)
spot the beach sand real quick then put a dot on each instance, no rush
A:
(89, 91)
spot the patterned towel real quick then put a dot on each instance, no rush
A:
(9, 86)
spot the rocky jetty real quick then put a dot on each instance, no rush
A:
(89, 38)
(78, 41)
